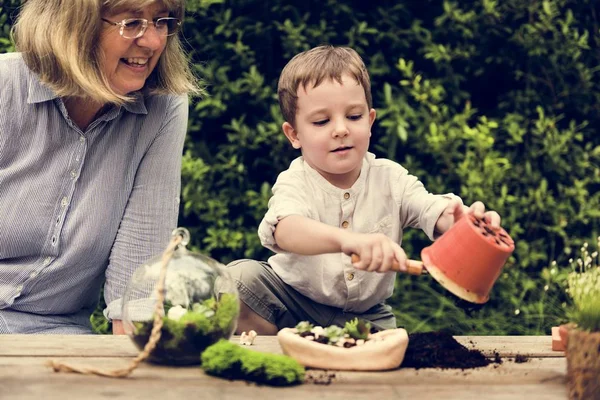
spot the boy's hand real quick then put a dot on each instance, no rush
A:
(377, 252)
(456, 210)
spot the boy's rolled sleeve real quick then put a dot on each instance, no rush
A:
(288, 199)
(436, 209)
(419, 208)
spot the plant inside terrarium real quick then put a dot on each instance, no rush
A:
(186, 333)
(584, 291)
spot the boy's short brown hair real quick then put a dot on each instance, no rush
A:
(313, 67)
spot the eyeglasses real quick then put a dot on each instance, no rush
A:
(133, 28)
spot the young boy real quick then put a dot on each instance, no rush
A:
(333, 201)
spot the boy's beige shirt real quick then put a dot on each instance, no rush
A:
(385, 199)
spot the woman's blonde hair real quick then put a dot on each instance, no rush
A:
(314, 66)
(59, 41)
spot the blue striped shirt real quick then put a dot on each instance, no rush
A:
(76, 207)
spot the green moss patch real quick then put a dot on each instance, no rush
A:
(229, 360)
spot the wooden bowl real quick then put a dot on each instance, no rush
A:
(385, 350)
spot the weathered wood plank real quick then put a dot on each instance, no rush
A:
(93, 345)
(27, 378)
(532, 371)
(67, 345)
(121, 346)
(24, 375)
(509, 346)
(241, 391)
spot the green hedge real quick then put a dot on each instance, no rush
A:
(493, 100)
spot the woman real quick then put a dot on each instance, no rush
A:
(93, 115)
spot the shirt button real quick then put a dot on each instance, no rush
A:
(73, 174)
(64, 202)
(81, 139)
(346, 195)
(19, 288)
(345, 224)
(47, 260)
(350, 276)
(33, 274)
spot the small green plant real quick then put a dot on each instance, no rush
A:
(358, 329)
(584, 291)
(333, 334)
(304, 327)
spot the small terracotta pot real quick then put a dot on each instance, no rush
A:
(385, 351)
(468, 258)
(563, 331)
(583, 364)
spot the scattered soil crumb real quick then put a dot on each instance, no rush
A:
(440, 350)
(519, 358)
(319, 377)
(497, 358)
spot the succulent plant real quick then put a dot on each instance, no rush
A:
(304, 326)
(358, 329)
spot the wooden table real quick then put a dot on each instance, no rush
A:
(23, 374)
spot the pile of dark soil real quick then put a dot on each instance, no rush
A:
(440, 350)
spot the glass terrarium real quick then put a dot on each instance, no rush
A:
(200, 305)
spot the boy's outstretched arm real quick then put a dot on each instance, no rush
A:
(456, 210)
(302, 235)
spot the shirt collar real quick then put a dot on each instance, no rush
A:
(334, 190)
(138, 105)
(39, 93)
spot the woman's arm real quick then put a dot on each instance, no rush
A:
(152, 208)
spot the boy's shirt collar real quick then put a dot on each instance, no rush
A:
(324, 184)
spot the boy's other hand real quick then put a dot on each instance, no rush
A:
(376, 251)
(455, 210)
(491, 217)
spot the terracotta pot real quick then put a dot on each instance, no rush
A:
(385, 351)
(583, 364)
(563, 331)
(468, 258)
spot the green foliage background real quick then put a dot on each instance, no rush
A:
(496, 101)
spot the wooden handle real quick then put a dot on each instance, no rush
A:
(414, 267)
